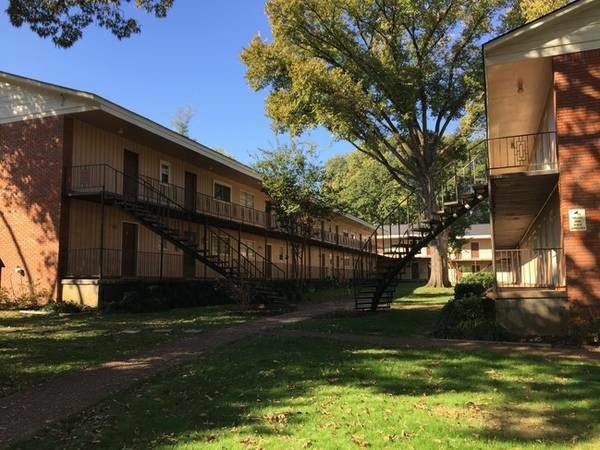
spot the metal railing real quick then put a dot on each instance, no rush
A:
(523, 153)
(163, 203)
(85, 263)
(527, 268)
(94, 178)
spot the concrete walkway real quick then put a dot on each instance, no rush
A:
(24, 413)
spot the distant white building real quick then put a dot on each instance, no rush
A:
(475, 255)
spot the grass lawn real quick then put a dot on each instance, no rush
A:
(32, 348)
(413, 313)
(292, 393)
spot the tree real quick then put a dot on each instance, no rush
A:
(388, 76)
(181, 120)
(65, 20)
(362, 186)
(524, 11)
(293, 180)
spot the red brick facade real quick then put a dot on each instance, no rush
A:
(577, 87)
(30, 202)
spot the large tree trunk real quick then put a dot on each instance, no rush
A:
(438, 277)
(439, 262)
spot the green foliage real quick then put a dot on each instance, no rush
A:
(65, 20)
(469, 317)
(362, 186)
(294, 181)
(387, 76)
(31, 298)
(485, 278)
(139, 297)
(524, 11)
(481, 214)
(66, 307)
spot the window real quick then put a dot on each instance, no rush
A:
(165, 172)
(247, 249)
(474, 249)
(222, 192)
(281, 253)
(475, 267)
(247, 199)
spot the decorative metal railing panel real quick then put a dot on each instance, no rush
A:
(523, 153)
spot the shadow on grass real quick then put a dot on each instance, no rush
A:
(284, 391)
(32, 349)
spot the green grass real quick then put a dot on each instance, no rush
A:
(413, 313)
(293, 393)
(32, 348)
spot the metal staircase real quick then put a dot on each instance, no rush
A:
(404, 232)
(213, 246)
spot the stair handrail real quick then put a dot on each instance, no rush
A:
(169, 201)
(405, 201)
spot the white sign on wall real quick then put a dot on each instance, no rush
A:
(577, 220)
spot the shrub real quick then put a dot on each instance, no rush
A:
(473, 284)
(31, 298)
(66, 307)
(469, 317)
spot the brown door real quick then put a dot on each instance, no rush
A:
(269, 257)
(189, 260)
(191, 183)
(129, 250)
(131, 171)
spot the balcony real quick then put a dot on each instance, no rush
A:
(523, 153)
(93, 180)
(530, 268)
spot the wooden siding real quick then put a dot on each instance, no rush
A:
(20, 102)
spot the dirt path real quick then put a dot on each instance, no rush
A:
(26, 412)
(543, 350)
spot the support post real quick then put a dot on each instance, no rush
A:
(102, 213)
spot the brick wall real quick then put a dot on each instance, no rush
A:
(577, 87)
(30, 192)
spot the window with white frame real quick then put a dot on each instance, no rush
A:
(222, 192)
(247, 199)
(165, 172)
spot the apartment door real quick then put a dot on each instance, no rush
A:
(129, 250)
(131, 171)
(189, 260)
(191, 184)
(269, 258)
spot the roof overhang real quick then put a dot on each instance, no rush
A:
(93, 103)
(572, 28)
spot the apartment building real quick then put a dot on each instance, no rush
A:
(474, 255)
(543, 111)
(93, 193)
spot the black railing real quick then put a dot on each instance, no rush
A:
(98, 178)
(523, 153)
(409, 221)
(170, 216)
(119, 264)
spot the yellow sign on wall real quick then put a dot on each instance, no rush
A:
(577, 220)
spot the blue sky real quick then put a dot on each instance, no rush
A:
(189, 58)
